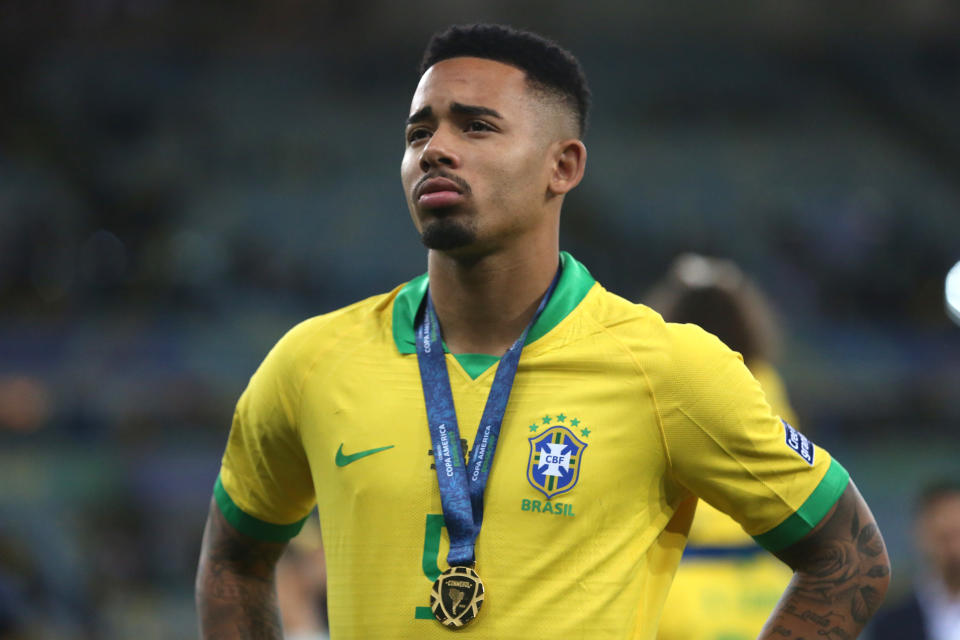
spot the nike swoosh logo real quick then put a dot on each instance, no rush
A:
(343, 460)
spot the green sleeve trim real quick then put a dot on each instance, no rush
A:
(247, 524)
(810, 513)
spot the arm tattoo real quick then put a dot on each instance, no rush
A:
(236, 588)
(841, 576)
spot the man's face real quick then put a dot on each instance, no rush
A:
(938, 536)
(476, 165)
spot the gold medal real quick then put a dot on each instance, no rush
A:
(456, 597)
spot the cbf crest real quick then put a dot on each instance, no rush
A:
(556, 456)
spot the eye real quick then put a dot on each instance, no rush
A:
(417, 134)
(478, 126)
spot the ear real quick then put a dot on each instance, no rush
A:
(569, 162)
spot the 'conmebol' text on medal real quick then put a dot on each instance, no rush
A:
(456, 597)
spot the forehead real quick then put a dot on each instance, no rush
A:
(475, 81)
(946, 504)
(943, 509)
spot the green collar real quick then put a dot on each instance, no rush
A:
(575, 281)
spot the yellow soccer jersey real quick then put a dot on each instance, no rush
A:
(726, 585)
(651, 414)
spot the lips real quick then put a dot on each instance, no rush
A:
(438, 192)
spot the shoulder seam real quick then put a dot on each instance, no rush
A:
(310, 369)
(646, 381)
(732, 457)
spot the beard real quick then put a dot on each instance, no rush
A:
(446, 234)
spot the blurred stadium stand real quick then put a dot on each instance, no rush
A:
(179, 184)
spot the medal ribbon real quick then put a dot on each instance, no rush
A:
(461, 488)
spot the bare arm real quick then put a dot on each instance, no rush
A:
(841, 573)
(236, 583)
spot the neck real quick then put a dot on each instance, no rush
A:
(484, 304)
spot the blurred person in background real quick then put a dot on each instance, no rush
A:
(302, 586)
(353, 411)
(726, 583)
(931, 611)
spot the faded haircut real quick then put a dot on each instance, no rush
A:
(549, 67)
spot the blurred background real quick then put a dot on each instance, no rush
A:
(181, 182)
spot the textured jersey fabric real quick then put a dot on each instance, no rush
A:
(726, 585)
(615, 422)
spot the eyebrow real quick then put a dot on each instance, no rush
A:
(473, 110)
(424, 114)
(456, 107)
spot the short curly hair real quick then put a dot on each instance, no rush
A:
(549, 67)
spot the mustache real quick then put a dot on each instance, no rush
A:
(457, 180)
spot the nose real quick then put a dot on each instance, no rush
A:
(438, 152)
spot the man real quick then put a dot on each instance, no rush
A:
(604, 432)
(932, 610)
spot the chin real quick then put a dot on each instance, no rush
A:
(448, 235)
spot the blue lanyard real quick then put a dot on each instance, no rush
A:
(461, 488)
